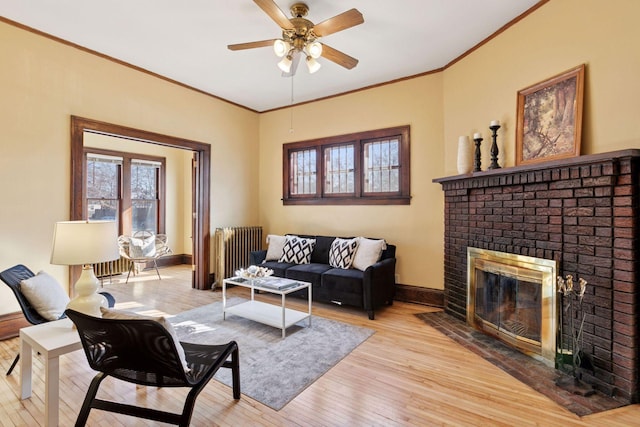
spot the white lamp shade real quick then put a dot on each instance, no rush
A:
(84, 242)
(285, 64)
(281, 47)
(313, 65)
(314, 49)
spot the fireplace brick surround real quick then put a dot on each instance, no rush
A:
(581, 212)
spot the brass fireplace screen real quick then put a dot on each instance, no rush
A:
(512, 297)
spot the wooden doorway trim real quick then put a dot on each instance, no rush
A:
(201, 197)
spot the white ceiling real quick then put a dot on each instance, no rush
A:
(187, 41)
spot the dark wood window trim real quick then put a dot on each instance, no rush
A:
(402, 197)
(126, 202)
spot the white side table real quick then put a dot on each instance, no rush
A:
(50, 339)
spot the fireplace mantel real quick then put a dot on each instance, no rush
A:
(582, 213)
(586, 160)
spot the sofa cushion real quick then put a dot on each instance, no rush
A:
(368, 252)
(279, 268)
(344, 286)
(297, 250)
(320, 253)
(276, 246)
(342, 252)
(311, 273)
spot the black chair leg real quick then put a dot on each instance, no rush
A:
(88, 400)
(235, 373)
(13, 365)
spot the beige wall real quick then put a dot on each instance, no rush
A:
(416, 229)
(560, 35)
(43, 83)
(460, 101)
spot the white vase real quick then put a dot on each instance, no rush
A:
(465, 157)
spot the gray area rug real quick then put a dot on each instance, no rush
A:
(272, 370)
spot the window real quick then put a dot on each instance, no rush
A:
(364, 168)
(144, 195)
(103, 187)
(127, 188)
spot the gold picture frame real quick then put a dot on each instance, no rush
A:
(549, 121)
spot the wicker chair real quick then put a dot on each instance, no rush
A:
(142, 351)
(139, 257)
(12, 277)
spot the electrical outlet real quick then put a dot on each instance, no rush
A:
(397, 278)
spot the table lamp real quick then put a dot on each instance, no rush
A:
(85, 243)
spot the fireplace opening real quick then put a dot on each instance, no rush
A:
(512, 297)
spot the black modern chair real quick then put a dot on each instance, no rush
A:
(12, 277)
(142, 351)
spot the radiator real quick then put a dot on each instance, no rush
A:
(232, 246)
(110, 268)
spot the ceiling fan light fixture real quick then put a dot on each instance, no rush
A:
(285, 63)
(312, 64)
(314, 49)
(281, 47)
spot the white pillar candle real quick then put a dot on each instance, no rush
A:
(495, 123)
(465, 158)
(477, 135)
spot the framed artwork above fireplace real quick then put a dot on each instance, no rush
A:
(549, 120)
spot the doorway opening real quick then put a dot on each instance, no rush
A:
(200, 184)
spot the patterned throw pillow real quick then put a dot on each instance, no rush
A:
(140, 248)
(342, 252)
(297, 250)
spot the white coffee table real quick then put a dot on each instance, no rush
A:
(51, 339)
(269, 314)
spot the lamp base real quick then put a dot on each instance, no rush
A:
(87, 301)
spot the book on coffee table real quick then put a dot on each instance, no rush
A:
(277, 283)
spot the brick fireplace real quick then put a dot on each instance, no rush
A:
(582, 213)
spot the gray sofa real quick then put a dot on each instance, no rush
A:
(368, 290)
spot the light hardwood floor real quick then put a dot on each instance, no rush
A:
(407, 373)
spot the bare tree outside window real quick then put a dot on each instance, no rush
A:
(144, 196)
(339, 169)
(303, 176)
(371, 167)
(103, 188)
(125, 187)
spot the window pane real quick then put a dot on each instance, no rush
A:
(143, 181)
(382, 166)
(339, 169)
(144, 196)
(102, 209)
(144, 215)
(302, 172)
(102, 179)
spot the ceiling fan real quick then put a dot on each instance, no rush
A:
(300, 37)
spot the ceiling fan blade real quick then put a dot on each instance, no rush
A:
(275, 13)
(338, 57)
(294, 65)
(251, 45)
(345, 20)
